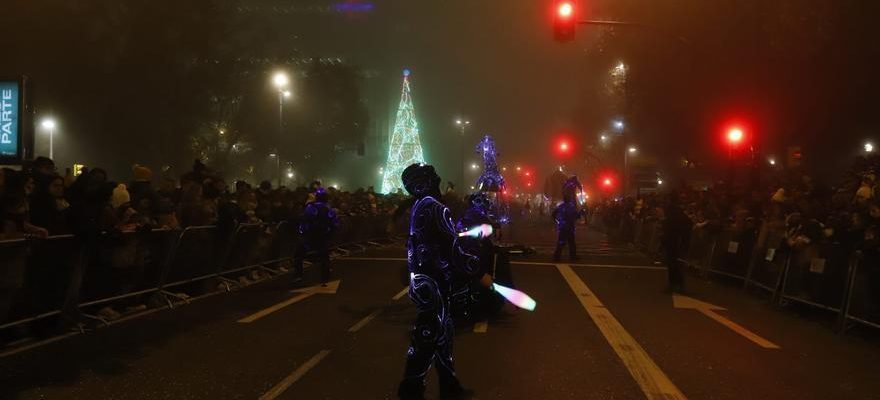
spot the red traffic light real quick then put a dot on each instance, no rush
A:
(565, 10)
(735, 135)
(607, 181)
(563, 146)
(564, 20)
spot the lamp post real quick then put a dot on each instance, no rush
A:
(281, 81)
(462, 125)
(49, 124)
(629, 150)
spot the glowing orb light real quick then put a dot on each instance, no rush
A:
(481, 231)
(516, 297)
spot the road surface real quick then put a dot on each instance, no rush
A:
(603, 329)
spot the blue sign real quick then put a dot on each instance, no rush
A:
(10, 119)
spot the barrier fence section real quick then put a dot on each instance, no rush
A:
(825, 273)
(56, 283)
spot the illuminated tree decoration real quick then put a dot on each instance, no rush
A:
(405, 147)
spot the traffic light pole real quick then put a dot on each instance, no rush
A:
(629, 24)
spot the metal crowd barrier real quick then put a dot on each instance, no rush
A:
(65, 277)
(824, 275)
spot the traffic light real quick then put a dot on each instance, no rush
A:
(564, 20)
(735, 136)
(564, 146)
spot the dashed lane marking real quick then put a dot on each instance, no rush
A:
(481, 327)
(653, 382)
(294, 376)
(363, 322)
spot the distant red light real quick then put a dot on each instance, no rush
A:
(735, 135)
(565, 10)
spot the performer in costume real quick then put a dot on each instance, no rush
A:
(434, 257)
(566, 216)
(317, 225)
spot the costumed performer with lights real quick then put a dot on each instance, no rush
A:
(317, 225)
(434, 256)
(566, 215)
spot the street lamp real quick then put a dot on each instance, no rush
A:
(462, 125)
(626, 155)
(281, 82)
(619, 125)
(277, 158)
(772, 161)
(869, 147)
(49, 124)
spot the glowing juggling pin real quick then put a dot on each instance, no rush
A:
(516, 297)
(478, 231)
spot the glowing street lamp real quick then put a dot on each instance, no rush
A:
(869, 147)
(626, 155)
(772, 161)
(49, 124)
(280, 80)
(462, 125)
(619, 125)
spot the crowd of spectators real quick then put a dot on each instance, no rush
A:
(92, 213)
(793, 213)
(39, 202)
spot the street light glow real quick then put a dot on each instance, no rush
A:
(286, 93)
(772, 161)
(474, 166)
(619, 125)
(290, 175)
(603, 138)
(869, 147)
(48, 123)
(633, 150)
(280, 80)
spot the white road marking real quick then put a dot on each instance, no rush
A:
(481, 327)
(400, 294)
(305, 293)
(262, 313)
(653, 382)
(612, 266)
(679, 301)
(363, 322)
(294, 376)
(617, 266)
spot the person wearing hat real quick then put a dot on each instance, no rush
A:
(317, 225)
(435, 256)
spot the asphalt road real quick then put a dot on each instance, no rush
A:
(603, 329)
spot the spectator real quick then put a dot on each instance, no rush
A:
(49, 208)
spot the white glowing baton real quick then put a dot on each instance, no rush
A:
(478, 231)
(516, 297)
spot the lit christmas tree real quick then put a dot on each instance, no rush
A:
(405, 147)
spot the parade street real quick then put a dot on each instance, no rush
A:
(603, 328)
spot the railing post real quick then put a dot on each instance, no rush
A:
(781, 279)
(855, 261)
